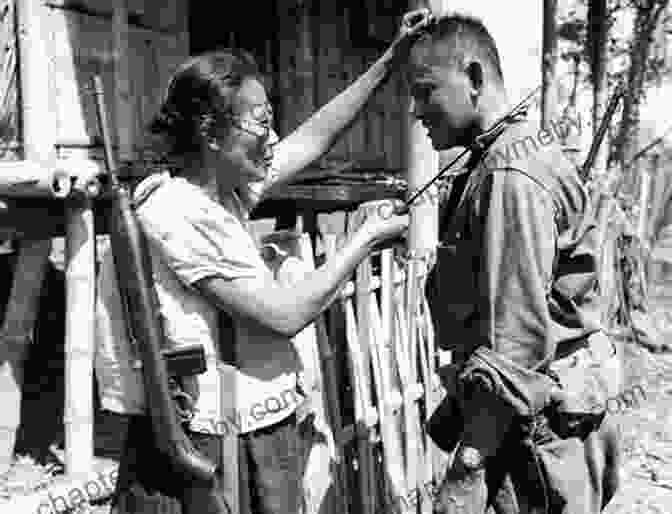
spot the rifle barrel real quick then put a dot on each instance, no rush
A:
(601, 131)
(104, 127)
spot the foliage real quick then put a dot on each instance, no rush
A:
(635, 45)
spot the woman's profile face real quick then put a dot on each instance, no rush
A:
(251, 136)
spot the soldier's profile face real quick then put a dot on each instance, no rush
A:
(440, 93)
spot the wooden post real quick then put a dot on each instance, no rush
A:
(366, 416)
(548, 62)
(125, 119)
(422, 163)
(80, 241)
(332, 384)
(38, 145)
(80, 248)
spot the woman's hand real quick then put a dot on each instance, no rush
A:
(413, 24)
(387, 220)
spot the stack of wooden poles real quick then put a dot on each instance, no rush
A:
(370, 367)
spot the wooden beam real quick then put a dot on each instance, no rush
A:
(60, 179)
(168, 19)
(32, 179)
(123, 94)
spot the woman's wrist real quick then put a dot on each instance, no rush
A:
(365, 238)
(390, 57)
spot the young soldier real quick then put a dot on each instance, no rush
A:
(513, 295)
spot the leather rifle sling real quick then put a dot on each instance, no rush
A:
(234, 475)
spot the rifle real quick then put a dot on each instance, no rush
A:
(133, 266)
(601, 131)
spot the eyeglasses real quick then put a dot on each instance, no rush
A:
(253, 127)
(259, 124)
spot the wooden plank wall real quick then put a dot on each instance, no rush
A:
(82, 40)
(319, 47)
(9, 106)
(316, 49)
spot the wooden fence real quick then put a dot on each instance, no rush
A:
(370, 368)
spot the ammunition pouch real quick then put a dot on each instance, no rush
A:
(586, 380)
(569, 397)
(541, 449)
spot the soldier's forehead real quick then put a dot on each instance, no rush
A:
(428, 59)
(421, 72)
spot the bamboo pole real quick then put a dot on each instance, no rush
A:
(411, 393)
(331, 386)
(390, 399)
(387, 391)
(366, 416)
(38, 145)
(79, 336)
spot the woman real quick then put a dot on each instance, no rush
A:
(217, 120)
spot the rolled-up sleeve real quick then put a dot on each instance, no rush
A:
(201, 244)
(516, 220)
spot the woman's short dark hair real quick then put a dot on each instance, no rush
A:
(200, 96)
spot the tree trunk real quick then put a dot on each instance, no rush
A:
(598, 24)
(647, 17)
(549, 59)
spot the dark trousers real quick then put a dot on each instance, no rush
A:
(271, 462)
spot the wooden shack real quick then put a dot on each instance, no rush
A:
(373, 354)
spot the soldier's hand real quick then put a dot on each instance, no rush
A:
(462, 492)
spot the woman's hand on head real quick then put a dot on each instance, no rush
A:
(415, 21)
(413, 24)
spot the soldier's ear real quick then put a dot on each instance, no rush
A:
(474, 72)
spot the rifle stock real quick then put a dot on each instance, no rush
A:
(134, 273)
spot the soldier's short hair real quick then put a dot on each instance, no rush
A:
(463, 37)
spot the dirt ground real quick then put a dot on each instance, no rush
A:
(647, 429)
